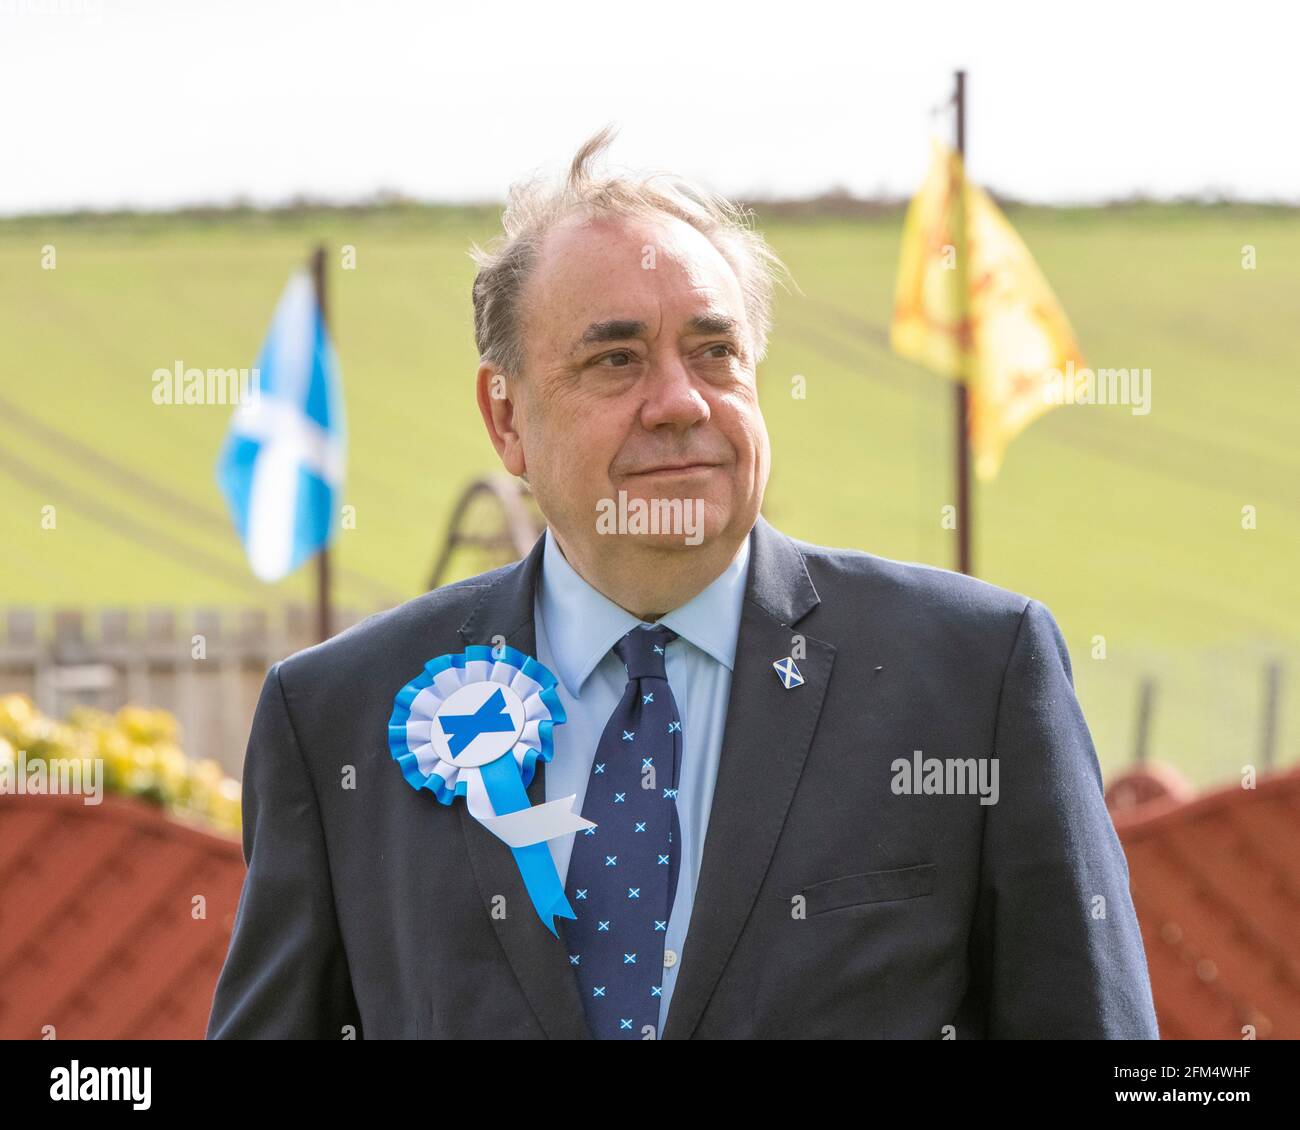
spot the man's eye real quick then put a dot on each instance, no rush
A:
(618, 360)
(727, 350)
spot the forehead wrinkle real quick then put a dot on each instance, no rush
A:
(703, 270)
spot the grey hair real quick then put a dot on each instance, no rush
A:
(535, 205)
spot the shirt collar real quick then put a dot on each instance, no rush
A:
(582, 624)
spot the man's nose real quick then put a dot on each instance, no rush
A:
(672, 395)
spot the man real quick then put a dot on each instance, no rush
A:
(821, 794)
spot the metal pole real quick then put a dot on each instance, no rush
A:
(1146, 706)
(1272, 702)
(965, 516)
(323, 618)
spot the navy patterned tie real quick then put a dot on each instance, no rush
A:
(623, 873)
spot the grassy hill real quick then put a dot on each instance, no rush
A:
(1127, 527)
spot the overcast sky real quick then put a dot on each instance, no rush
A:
(146, 103)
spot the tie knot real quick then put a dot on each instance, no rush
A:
(643, 651)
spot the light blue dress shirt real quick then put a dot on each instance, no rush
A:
(577, 627)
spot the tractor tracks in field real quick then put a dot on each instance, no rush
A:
(1200, 463)
(170, 505)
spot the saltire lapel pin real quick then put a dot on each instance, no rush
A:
(474, 725)
(788, 672)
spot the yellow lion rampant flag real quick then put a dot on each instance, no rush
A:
(971, 303)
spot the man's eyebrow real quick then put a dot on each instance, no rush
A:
(714, 324)
(624, 329)
(617, 329)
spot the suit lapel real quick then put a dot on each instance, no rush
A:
(765, 744)
(540, 961)
(757, 778)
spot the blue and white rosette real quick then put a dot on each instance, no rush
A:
(475, 725)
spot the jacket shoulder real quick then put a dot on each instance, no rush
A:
(909, 588)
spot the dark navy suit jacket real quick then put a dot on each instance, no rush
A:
(829, 905)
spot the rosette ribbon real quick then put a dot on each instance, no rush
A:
(474, 725)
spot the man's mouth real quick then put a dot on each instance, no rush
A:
(675, 469)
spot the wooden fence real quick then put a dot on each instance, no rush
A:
(206, 666)
(1210, 711)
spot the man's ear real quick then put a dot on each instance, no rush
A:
(498, 409)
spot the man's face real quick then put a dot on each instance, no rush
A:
(639, 377)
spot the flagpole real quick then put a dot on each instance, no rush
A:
(323, 618)
(965, 515)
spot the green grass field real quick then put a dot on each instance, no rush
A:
(1127, 527)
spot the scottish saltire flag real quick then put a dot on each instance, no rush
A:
(281, 468)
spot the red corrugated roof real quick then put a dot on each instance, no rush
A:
(1216, 884)
(98, 937)
(97, 929)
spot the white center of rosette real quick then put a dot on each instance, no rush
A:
(477, 728)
